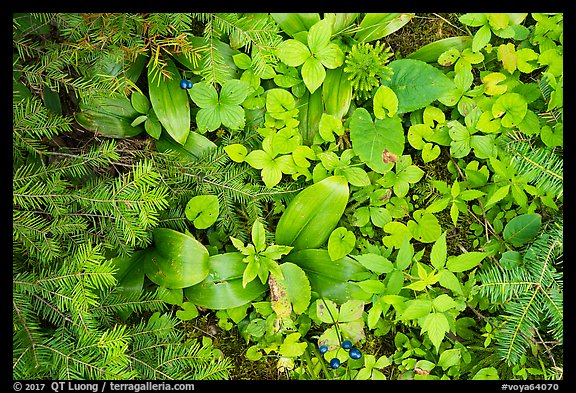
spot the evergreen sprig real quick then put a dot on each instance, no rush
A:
(531, 295)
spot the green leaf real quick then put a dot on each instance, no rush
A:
(439, 252)
(449, 358)
(327, 311)
(340, 243)
(430, 152)
(497, 196)
(258, 236)
(171, 296)
(486, 373)
(511, 107)
(416, 308)
(376, 263)
(370, 139)
(188, 312)
(417, 84)
(481, 38)
(313, 74)
(405, 254)
(450, 281)
(331, 56)
(222, 288)
(436, 325)
(312, 215)
(424, 227)
(177, 260)
(140, 102)
(253, 353)
(385, 102)
(443, 303)
(319, 35)
(465, 261)
(328, 125)
(234, 92)
(208, 119)
(242, 61)
(236, 151)
(291, 347)
(356, 176)
(153, 127)
(399, 232)
(460, 145)
(203, 210)
(297, 286)
(351, 311)
(521, 229)
(292, 52)
(170, 102)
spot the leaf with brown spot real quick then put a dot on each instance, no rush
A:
(278, 297)
(388, 157)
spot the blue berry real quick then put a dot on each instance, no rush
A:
(323, 349)
(335, 363)
(183, 84)
(188, 84)
(346, 344)
(355, 353)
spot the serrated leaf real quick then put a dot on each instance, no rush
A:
(436, 325)
(443, 303)
(449, 280)
(449, 358)
(416, 308)
(498, 195)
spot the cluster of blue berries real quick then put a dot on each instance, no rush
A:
(185, 84)
(354, 353)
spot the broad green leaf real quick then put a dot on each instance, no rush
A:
(372, 286)
(460, 145)
(449, 57)
(488, 124)
(331, 56)
(380, 216)
(297, 285)
(417, 84)
(170, 103)
(405, 254)
(436, 325)
(370, 139)
(430, 152)
(291, 347)
(327, 311)
(486, 373)
(356, 176)
(466, 261)
(204, 95)
(425, 227)
(171, 296)
(492, 81)
(415, 308)
(231, 116)
(234, 92)
(410, 174)
(313, 214)
(253, 353)
(481, 38)
(319, 35)
(526, 60)
(351, 311)
(329, 124)
(140, 102)
(208, 119)
(439, 252)
(278, 102)
(511, 107)
(313, 74)
(378, 25)
(258, 236)
(374, 262)
(398, 232)
(202, 210)
(474, 19)
(443, 303)
(450, 281)
(449, 358)
(385, 102)
(507, 55)
(177, 260)
(340, 243)
(271, 174)
(292, 52)
(188, 312)
(236, 151)
(521, 229)
(222, 288)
